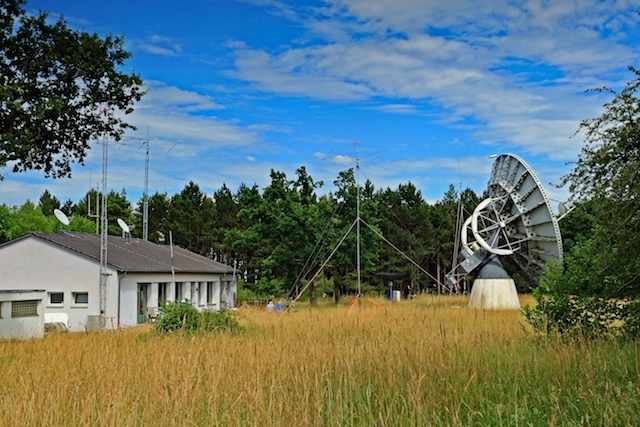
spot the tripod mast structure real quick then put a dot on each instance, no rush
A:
(357, 225)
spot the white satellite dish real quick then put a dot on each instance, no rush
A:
(123, 225)
(61, 216)
(125, 229)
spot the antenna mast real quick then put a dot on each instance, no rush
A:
(103, 226)
(358, 213)
(459, 216)
(145, 209)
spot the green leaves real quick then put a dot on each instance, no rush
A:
(596, 293)
(59, 90)
(183, 317)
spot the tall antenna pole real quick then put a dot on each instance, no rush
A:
(145, 210)
(458, 231)
(103, 226)
(358, 213)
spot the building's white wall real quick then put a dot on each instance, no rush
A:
(21, 327)
(35, 264)
(32, 263)
(194, 288)
(228, 293)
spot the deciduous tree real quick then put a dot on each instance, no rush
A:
(59, 90)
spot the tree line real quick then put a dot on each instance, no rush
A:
(280, 235)
(61, 89)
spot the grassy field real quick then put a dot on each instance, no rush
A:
(429, 361)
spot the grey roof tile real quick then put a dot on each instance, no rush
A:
(136, 255)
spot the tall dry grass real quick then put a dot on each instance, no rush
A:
(425, 362)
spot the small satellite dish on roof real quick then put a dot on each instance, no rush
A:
(125, 228)
(61, 216)
(123, 225)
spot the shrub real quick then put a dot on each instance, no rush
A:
(183, 317)
(562, 311)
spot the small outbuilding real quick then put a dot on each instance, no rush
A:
(21, 314)
(139, 276)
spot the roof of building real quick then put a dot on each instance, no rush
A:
(135, 255)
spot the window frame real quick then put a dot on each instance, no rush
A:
(74, 297)
(50, 303)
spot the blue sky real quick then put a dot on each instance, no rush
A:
(429, 89)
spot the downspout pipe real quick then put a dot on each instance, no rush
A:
(120, 277)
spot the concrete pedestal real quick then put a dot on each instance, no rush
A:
(494, 294)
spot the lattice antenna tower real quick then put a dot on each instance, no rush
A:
(145, 208)
(104, 225)
(146, 142)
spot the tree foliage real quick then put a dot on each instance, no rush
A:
(597, 290)
(16, 221)
(190, 219)
(280, 235)
(606, 178)
(59, 90)
(48, 203)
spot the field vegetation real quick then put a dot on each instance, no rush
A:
(428, 361)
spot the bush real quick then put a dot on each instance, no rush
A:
(560, 311)
(183, 317)
(574, 316)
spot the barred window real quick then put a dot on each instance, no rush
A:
(24, 308)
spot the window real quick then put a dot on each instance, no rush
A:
(81, 298)
(162, 292)
(24, 308)
(209, 292)
(1, 304)
(56, 298)
(178, 291)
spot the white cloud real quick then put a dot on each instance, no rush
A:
(337, 158)
(397, 108)
(158, 45)
(172, 99)
(460, 57)
(269, 128)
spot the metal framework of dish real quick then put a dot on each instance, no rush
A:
(516, 223)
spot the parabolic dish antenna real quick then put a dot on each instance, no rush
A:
(61, 216)
(515, 225)
(123, 225)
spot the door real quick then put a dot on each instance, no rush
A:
(142, 302)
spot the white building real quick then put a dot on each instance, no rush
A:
(139, 276)
(21, 314)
